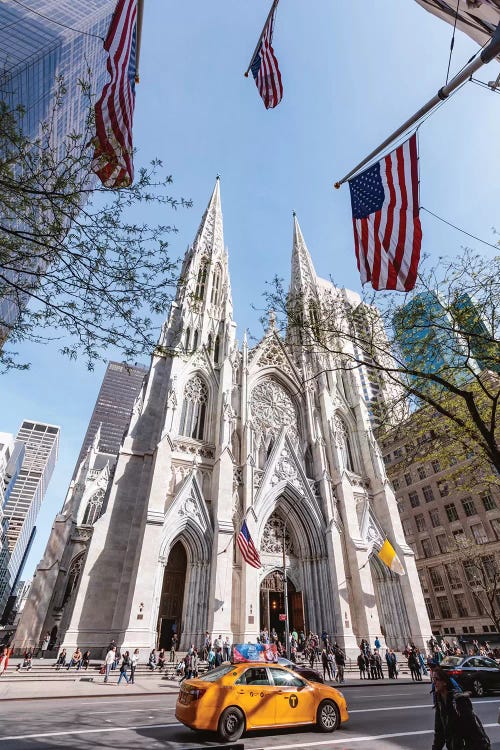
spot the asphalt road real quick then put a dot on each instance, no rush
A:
(381, 718)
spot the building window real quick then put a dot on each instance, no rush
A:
(460, 538)
(444, 607)
(471, 573)
(407, 528)
(344, 443)
(436, 467)
(442, 543)
(214, 296)
(436, 579)
(194, 409)
(427, 548)
(430, 609)
(451, 512)
(421, 472)
(423, 581)
(461, 605)
(93, 509)
(444, 489)
(495, 525)
(469, 506)
(420, 521)
(395, 484)
(435, 520)
(479, 533)
(201, 281)
(408, 479)
(490, 568)
(489, 503)
(453, 576)
(414, 499)
(428, 493)
(401, 506)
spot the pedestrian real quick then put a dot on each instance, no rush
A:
(378, 664)
(326, 664)
(211, 658)
(362, 667)
(340, 662)
(377, 642)
(413, 666)
(4, 659)
(85, 660)
(455, 724)
(181, 669)
(133, 664)
(207, 646)
(61, 660)
(392, 664)
(193, 663)
(161, 659)
(218, 657)
(226, 649)
(123, 668)
(173, 647)
(333, 666)
(45, 644)
(76, 659)
(152, 660)
(373, 667)
(109, 661)
(28, 656)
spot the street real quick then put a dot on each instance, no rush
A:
(381, 718)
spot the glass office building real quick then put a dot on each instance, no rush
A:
(46, 44)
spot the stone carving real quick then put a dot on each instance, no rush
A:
(272, 408)
(272, 537)
(286, 471)
(194, 449)
(196, 390)
(81, 534)
(273, 355)
(237, 477)
(190, 508)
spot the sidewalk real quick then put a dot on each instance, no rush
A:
(93, 687)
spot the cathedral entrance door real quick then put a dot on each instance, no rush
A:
(272, 605)
(172, 597)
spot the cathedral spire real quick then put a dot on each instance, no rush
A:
(209, 237)
(303, 273)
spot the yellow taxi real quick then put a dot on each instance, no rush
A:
(235, 698)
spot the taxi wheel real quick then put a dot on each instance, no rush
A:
(328, 716)
(231, 724)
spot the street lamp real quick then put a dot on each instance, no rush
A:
(285, 595)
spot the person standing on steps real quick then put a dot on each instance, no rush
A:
(109, 661)
(133, 664)
(173, 648)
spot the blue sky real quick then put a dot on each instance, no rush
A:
(352, 72)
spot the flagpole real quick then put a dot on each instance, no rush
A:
(140, 13)
(486, 56)
(273, 6)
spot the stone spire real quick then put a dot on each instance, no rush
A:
(303, 273)
(209, 237)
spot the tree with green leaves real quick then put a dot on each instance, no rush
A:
(435, 351)
(79, 263)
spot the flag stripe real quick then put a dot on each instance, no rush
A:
(247, 547)
(114, 111)
(387, 230)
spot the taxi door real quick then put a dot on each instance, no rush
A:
(295, 699)
(256, 696)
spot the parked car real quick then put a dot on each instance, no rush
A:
(476, 673)
(306, 672)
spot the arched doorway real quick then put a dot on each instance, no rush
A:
(172, 596)
(272, 605)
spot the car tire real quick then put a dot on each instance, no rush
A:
(478, 688)
(328, 716)
(231, 724)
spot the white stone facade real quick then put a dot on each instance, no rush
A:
(222, 433)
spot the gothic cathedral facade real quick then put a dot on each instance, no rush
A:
(222, 433)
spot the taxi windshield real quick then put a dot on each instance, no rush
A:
(214, 674)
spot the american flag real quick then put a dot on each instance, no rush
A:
(247, 547)
(264, 67)
(115, 109)
(387, 231)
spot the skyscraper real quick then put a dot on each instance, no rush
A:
(112, 411)
(41, 443)
(47, 46)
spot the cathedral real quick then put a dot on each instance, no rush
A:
(145, 545)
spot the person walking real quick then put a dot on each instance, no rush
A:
(123, 668)
(152, 660)
(109, 661)
(133, 664)
(362, 667)
(173, 647)
(4, 659)
(326, 665)
(340, 662)
(455, 724)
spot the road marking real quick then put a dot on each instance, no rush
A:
(88, 731)
(120, 703)
(380, 695)
(367, 738)
(130, 710)
(401, 708)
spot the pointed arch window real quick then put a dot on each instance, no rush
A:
(194, 409)
(93, 511)
(74, 573)
(188, 337)
(314, 318)
(195, 340)
(217, 350)
(214, 296)
(202, 281)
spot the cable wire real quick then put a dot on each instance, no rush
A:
(58, 23)
(452, 44)
(459, 229)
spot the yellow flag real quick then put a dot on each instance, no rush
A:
(388, 556)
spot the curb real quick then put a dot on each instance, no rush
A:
(80, 695)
